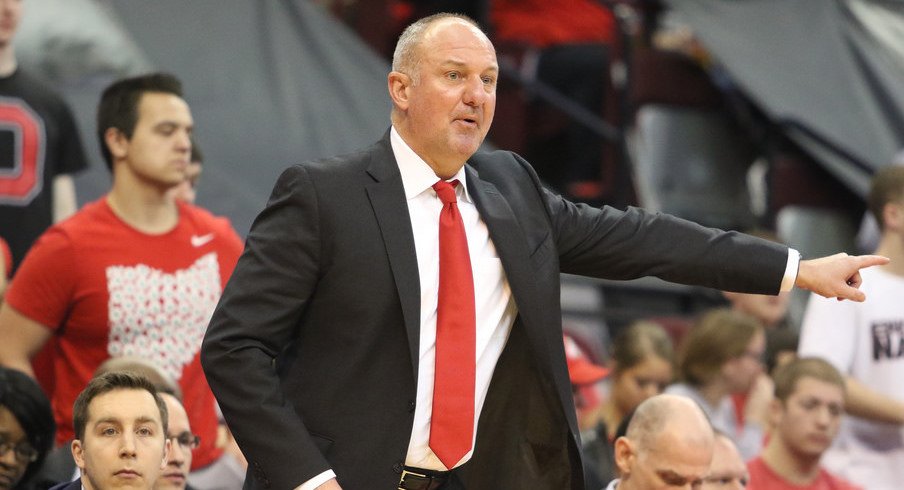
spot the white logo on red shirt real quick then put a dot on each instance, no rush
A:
(162, 316)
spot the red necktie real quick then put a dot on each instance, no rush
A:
(452, 423)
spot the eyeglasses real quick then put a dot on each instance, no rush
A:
(186, 440)
(24, 451)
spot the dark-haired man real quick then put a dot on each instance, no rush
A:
(121, 439)
(805, 416)
(136, 272)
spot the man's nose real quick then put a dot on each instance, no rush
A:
(177, 454)
(127, 445)
(475, 92)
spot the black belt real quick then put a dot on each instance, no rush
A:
(421, 479)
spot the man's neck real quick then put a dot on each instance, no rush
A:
(149, 210)
(790, 466)
(8, 62)
(891, 245)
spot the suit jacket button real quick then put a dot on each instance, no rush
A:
(411, 406)
(397, 468)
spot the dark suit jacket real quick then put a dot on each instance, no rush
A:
(312, 351)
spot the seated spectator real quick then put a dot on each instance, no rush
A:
(727, 470)
(120, 424)
(585, 375)
(722, 355)
(641, 367)
(182, 443)
(804, 419)
(26, 429)
(669, 444)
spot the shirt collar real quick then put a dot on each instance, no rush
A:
(417, 176)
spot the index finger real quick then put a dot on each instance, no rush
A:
(871, 260)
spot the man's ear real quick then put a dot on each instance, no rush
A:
(399, 85)
(167, 447)
(117, 143)
(624, 455)
(78, 454)
(892, 216)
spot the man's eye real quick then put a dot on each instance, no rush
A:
(144, 431)
(109, 431)
(453, 75)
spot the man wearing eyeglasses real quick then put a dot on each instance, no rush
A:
(182, 441)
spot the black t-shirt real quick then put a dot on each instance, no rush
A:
(38, 141)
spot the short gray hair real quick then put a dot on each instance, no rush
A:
(405, 58)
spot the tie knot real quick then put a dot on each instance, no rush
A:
(446, 191)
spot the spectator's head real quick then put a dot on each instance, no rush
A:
(724, 346)
(120, 425)
(886, 198)
(727, 470)
(142, 367)
(10, 15)
(145, 122)
(669, 445)
(182, 442)
(806, 411)
(642, 361)
(186, 191)
(443, 89)
(27, 428)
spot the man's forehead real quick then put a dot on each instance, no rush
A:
(123, 406)
(158, 105)
(810, 387)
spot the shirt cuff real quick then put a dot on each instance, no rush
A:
(317, 481)
(791, 270)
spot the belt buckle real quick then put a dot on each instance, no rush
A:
(406, 473)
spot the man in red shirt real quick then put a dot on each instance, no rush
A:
(134, 273)
(805, 417)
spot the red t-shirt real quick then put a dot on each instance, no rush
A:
(763, 478)
(543, 23)
(107, 290)
(6, 256)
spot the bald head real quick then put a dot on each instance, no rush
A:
(669, 415)
(669, 443)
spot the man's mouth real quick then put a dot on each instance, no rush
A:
(127, 473)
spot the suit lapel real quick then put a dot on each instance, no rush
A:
(387, 197)
(514, 252)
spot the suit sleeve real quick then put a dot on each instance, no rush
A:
(256, 317)
(609, 243)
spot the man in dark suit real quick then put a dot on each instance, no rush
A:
(325, 348)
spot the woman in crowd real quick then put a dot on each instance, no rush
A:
(640, 367)
(26, 429)
(722, 355)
